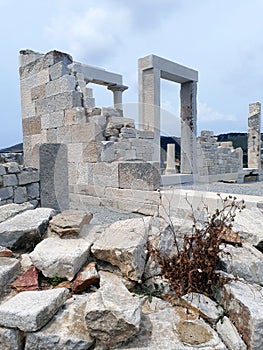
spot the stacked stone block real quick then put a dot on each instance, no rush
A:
(217, 159)
(104, 150)
(18, 184)
(254, 136)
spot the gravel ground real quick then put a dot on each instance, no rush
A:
(252, 188)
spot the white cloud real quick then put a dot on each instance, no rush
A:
(207, 114)
(92, 35)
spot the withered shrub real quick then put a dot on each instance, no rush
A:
(194, 266)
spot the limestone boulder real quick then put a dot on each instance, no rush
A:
(245, 262)
(248, 224)
(57, 257)
(207, 308)
(162, 236)
(67, 330)
(123, 244)
(69, 222)
(8, 269)
(29, 311)
(87, 277)
(10, 339)
(10, 210)
(163, 233)
(230, 335)
(167, 329)
(244, 304)
(25, 230)
(112, 314)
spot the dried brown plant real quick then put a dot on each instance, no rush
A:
(194, 266)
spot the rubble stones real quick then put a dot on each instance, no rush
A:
(29, 311)
(9, 210)
(229, 334)
(5, 253)
(27, 281)
(207, 308)
(10, 339)
(56, 257)
(26, 229)
(245, 262)
(244, 304)
(248, 224)
(87, 276)
(66, 330)
(123, 244)
(69, 222)
(8, 268)
(166, 329)
(112, 314)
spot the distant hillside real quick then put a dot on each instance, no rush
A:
(18, 148)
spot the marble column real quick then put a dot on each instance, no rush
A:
(170, 159)
(117, 94)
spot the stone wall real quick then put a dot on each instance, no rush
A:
(217, 161)
(105, 153)
(18, 184)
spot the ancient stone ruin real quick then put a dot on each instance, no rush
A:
(79, 218)
(85, 154)
(95, 155)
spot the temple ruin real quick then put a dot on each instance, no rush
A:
(90, 155)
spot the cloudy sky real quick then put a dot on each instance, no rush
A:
(223, 40)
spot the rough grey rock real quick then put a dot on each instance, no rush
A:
(57, 257)
(229, 334)
(139, 176)
(29, 311)
(33, 190)
(123, 244)
(20, 195)
(248, 224)
(9, 210)
(26, 229)
(244, 303)
(163, 233)
(9, 180)
(6, 193)
(8, 268)
(27, 176)
(166, 330)
(69, 222)
(112, 314)
(10, 339)
(2, 170)
(207, 308)
(245, 262)
(162, 236)
(65, 331)
(54, 176)
(12, 168)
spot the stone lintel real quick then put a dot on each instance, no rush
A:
(96, 75)
(169, 70)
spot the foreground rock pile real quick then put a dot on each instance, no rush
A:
(73, 281)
